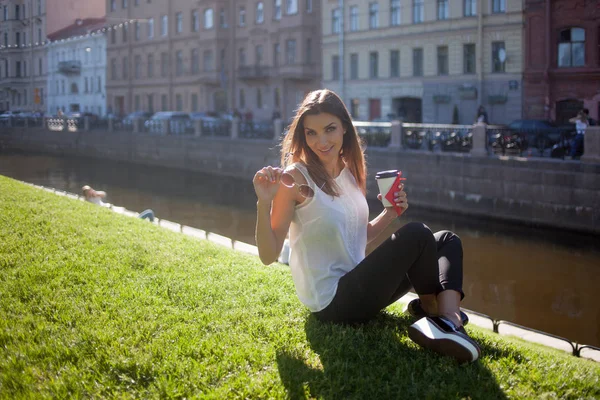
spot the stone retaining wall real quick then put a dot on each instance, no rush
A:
(556, 193)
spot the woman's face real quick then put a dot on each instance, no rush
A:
(324, 134)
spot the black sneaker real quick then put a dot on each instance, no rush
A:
(442, 336)
(414, 308)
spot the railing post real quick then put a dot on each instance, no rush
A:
(166, 126)
(591, 145)
(277, 128)
(479, 140)
(111, 125)
(86, 123)
(65, 126)
(198, 128)
(137, 125)
(396, 135)
(235, 128)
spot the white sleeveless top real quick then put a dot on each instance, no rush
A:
(328, 238)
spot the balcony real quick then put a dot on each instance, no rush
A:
(254, 72)
(69, 67)
(300, 72)
(212, 77)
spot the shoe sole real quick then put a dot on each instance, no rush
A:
(457, 345)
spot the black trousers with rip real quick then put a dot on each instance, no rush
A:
(413, 257)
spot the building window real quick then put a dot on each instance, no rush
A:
(113, 5)
(151, 28)
(242, 16)
(178, 102)
(395, 12)
(99, 85)
(194, 102)
(125, 67)
(260, 12)
(258, 54)
(136, 31)
(276, 97)
(291, 7)
(138, 66)
(242, 99)
(195, 56)
(354, 107)
(208, 18)
(354, 66)
(164, 64)
(113, 69)
(178, 22)
(125, 33)
(469, 58)
(309, 6)
(222, 19)
(418, 62)
(373, 15)
(442, 60)
(137, 102)
(442, 9)
(498, 6)
(336, 20)
(335, 68)
(571, 48)
(163, 102)
(124, 4)
(276, 54)
(179, 63)
(394, 63)
(470, 8)
(290, 51)
(308, 58)
(164, 26)
(418, 11)
(195, 21)
(353, 18)
(242, 57)
(277, 10)
(373, 65)
(259, 99)
(113, 36)
(150, 65)
(498, 57)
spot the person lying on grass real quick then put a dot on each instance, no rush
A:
(96, 196)
(319, 196)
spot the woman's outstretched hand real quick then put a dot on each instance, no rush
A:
(266, 183)
(400, 199)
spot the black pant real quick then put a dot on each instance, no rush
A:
(412, 257)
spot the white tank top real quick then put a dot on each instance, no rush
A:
(328, 238)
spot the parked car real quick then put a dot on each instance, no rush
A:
(179, 122)
(128, 120)
(538, 133)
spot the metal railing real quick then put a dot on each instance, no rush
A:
(255, 130)
(217, 128)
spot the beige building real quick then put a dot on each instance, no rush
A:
(24, 26)
(198, 56)
(430, 61)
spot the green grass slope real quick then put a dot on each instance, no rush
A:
(99, 305)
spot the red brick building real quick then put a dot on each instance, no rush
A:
(562, 59)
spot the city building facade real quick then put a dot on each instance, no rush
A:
(24, 26)
(77, 68)
(562, 59)
(256, 57)
(433, 61)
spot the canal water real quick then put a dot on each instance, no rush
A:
(543, 279)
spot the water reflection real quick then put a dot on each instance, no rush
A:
(544, 279)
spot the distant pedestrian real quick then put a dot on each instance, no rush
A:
(591, 121)
(581, 123)
(482, 116)
(96, 196)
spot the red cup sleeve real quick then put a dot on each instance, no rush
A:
(390, 194)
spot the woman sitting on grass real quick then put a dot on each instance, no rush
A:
(319, 196)
(96, 196)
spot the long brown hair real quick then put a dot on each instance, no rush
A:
(294, 148)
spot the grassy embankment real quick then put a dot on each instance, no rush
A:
(95, 304)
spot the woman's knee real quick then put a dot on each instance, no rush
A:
(418, 231)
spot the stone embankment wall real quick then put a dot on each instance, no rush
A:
(556, 193)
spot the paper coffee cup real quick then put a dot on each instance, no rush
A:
(385, 179)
